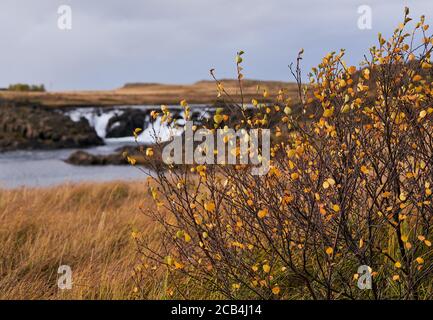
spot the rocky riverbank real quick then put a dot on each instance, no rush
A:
(25, 127)
(84, 158)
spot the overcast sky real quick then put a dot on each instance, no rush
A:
(178, 41)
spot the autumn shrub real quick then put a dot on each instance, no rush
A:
(349, 185)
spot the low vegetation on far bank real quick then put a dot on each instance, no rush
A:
(24, 87)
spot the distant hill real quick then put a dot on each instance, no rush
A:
(211, 83)
(201, 92)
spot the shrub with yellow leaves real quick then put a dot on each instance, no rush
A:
(338, 194)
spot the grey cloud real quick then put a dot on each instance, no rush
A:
(174, 41)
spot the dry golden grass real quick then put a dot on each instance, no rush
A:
(85, 226)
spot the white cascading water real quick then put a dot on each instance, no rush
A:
(98, 118)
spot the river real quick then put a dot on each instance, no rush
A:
(41, 168)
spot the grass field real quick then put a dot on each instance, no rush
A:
(86, 226)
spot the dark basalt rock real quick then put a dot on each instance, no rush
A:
(24, 127)
(124, 124)
(118, 157)
(83, 158)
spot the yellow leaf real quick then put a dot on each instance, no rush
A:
(336, 208)
(209, 206)
(149, 152)
(291, 153)
(397, 264)
(262, 213)
(266, 268)
(218, 118)
(422, 114)
(329, 251)
(426, 65)
(154, 193)
(366, 74)
(328, 112)
(352, 69)
(294, 176)
(417, 78)
(427, 243)
(331, 181)
(396, 277)
(276, 290)
(132, 161)
(287, 199)
(169, 260)
(187, 237)
(419, 260)
(364, 170)
(345, 108)
(386, 194)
